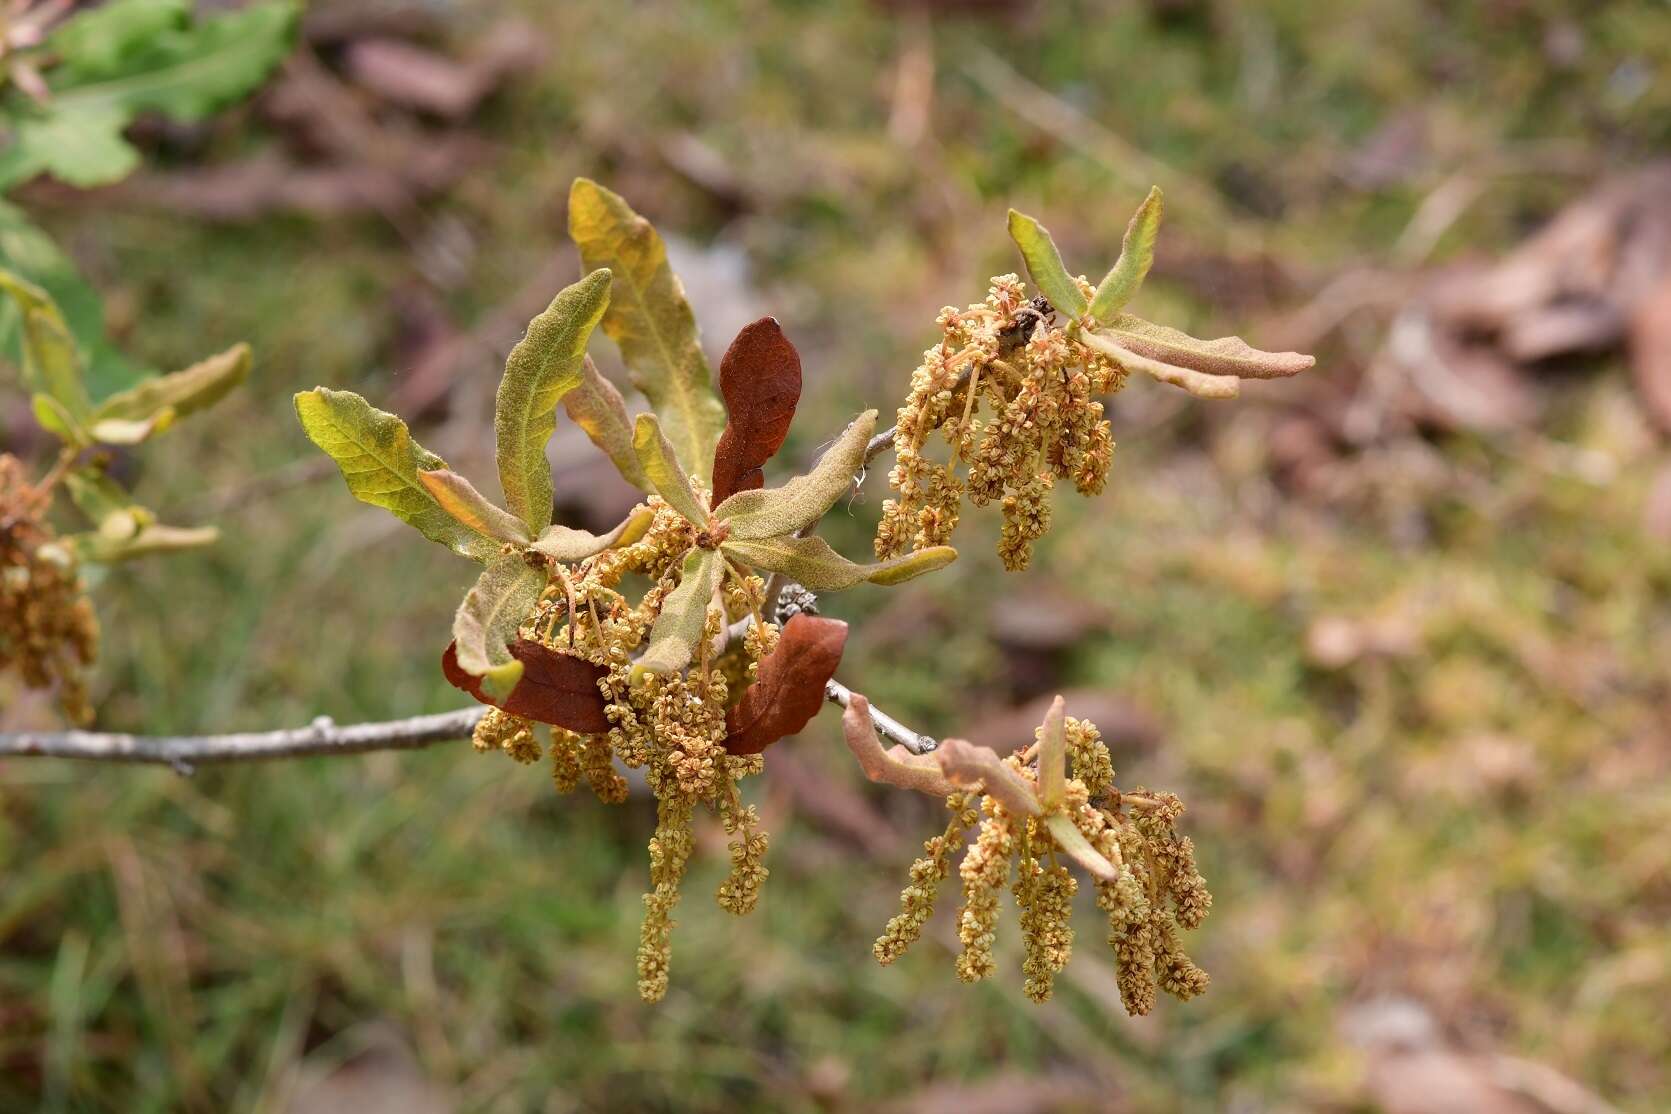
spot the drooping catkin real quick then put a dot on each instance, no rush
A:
(985, 869)
(670, 850)
(916, 901)
(740, 890)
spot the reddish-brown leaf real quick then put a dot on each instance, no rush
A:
(791, 686)
(555, 688)
(760, 378)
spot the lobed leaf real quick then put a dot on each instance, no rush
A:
(1223, 356)
(1137, 253)
(812, 562)
(555, 688)
(760, 377)
(127, 58)
(380, 463)
(178, 393)
(661, 467)
(598, 408)
(488, 619)
(684, 615)
(1044, 264)
(773, 512)
(544, 366)
(650, 320)
(566, 544)
(459, 498)
(790, 689)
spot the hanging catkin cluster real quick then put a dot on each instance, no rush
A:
(672, 727)
(47, 629)
(1150, 887)
(1015, 398)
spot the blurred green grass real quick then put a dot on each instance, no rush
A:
(185, 944)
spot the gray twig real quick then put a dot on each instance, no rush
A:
(182, 752)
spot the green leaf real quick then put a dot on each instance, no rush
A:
(1224, 356)
(1137, 253)
(459, 498)
(771, 512)
(106, 504)
(125, 431)
(566, 544)
(812, 562)
(661, 466)
(146, 541)
(651, 320)
(488, 619)
(1044, 263)
(130, 61)
(56, 420)
(684, 614)
(598, 408)
(51, 362)
(381, 462)
(27, 251)
(543, 367)
(182, 392)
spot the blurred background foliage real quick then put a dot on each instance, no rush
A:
(1403, 655)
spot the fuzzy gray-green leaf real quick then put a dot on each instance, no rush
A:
(488, 619)
(812, 562)
(775, 511)
(684, 614)
(459, 498)
(661, 466)
(1137, 253)
(543, 367)
(1044, 264)
(598, 408)
(380, 463)
(566, 544)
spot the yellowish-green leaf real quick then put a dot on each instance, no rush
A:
(812, 562)
(566, 544)
(380, 462)
(598, 408)
(146, 540)
(1137, 253)
(488, 619)
(56, 420)
(1224, 356)
(131, 431)
(51, 363)
(542, 368)
(772, 512)
(459, 498)
(106, 504)
(684, 615)
(661, 467)
(1197, 383)
(1079, 849)
(1053, 757)
(181, 392)
(651, 320)
(1044, 264)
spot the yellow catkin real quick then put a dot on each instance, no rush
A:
(916, 901)
(566, 770)
(985, 868)
(600, 772)
(1088, 757)
(670, 849)
(740, 890)
(1014, 395)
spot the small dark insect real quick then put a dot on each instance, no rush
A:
(1030, 317)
